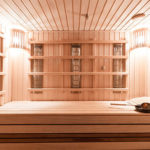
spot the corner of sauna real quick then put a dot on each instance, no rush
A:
(73, 65)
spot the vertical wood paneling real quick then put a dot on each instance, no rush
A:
(138, 74)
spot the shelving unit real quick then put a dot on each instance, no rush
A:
(77, 73)
(78, 42)
(77, 89)
(78, 57)
(1, 64)
(37, 66)
(2, 91)
(58, 78)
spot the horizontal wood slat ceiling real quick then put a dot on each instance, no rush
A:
(62, 15)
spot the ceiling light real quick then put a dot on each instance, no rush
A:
(141, 15)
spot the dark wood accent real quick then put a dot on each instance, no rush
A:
(63, 138)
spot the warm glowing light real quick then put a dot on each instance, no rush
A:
(140, 38)
(15, 53)
(18, 39)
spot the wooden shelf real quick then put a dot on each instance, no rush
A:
(2, 55)
(77, 89)
(2, 92)
(1, 35)
(78, 73)
(78, 57)
(2, 73)
(78, 42)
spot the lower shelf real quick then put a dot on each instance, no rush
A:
(2, 92)
(77, 89)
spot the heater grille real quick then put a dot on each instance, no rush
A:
(18, 39)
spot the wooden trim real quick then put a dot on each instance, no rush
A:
(2, 92)
(77, 73)
(21, 117)
(77, 146)
(2, 55)
(78, 57)
(1, 35)
(77, 89)
(79, 15)
(2, 73)
(84, 129)
(71, 135)
(69, 138)
(79, 42)
(72, 14)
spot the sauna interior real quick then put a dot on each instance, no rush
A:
(74, 51)
(64, 63)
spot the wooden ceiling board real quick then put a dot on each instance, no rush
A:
(76, 13)
(93, 14)
(29, 14)
(11, 15)
(140, 21)
(48, 21)
(17, 9)
(64, 15)
(112, 12)
(37, 6)
(91, 10)
(105, 13)
(48, 14)
(5, 16)
(34, 13)
(69, 14)
(98, 12)
(133, 23)
(26, 13)
(127, 12)
(119, 12)
(87, 13)
(137, 9)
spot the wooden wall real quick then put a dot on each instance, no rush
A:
(6, 97)
(138, 61)
(17, 66)
(57, 65)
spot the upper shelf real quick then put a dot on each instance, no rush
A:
(1, 35)
(2, 55)
(78, 42)
(77, 57)
(2, 73)
(78, 73)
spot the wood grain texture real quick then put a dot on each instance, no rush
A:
(79, 146)
(93, 44)
(64, 15)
